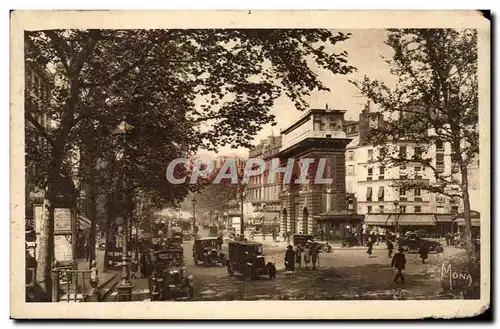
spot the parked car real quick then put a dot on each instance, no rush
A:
(168, 279)
(303, 238)
(412, 242)
(205, 250)
(246, 258)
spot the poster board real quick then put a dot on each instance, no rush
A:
(62, 220)
(63, 248)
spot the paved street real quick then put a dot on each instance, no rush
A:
(346, 273)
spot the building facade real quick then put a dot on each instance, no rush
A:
(318, 134)
(377, 189)
(262, 194)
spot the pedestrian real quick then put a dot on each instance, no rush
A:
(314, 255)
(94, 279)
(298, 255)
(275, 235)
(220, 240)
(377, 238)
(289, 260)
(87, 250)
(424, 252)
(307, 254)
(369, 243)
(390, 247)
(399, 262)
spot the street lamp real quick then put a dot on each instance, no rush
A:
(193, 202)
(396, 216)
(125, 286)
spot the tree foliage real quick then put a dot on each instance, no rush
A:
(435, 101)
(182, 90)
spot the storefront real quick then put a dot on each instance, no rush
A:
(401, 223)
(475, 223)
(332, 226)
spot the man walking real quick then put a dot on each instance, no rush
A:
(399, 262)
(390, 247)
(314, 255)
(369, 243)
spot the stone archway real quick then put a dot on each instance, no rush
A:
(305, 221)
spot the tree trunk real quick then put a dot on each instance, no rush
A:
(469, 247)
(93, 223)
(109, 208)
(46, 249)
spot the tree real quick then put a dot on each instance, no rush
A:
(171, 81)
(434, 102)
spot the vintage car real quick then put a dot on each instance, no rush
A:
(246, 258)
(411, 242)
(205, 251)
(168, 279)
(303, 238)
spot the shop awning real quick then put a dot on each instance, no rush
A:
(368, 193)
(381, 192)
(444, 218)
(83, 222)
(403, 219)
(474, 222)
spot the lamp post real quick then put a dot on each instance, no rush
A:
(193, 202)
(396, 216)
(125, 286)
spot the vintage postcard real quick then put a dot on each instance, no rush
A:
(250, 164)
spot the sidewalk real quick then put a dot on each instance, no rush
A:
(104, 277)
(335, 246)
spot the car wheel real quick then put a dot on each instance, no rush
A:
(405, 248)
(439, 249)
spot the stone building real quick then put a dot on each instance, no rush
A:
(318, 134)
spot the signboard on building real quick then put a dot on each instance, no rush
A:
(62, 220)
(63, 248)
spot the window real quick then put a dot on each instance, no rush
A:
(402, 209)
(350, 155)
(380, 194)
(417, 192)
(440, 162)
(369, 208)
(454, 209)
(381, 173)
(381, 209)
(402, 191)
(418, 209)
(370, 155)
(382, 152)
(418, 152)
(439, 146)
(370, 171)
(368, 194)
(402, 152)
(350, 170)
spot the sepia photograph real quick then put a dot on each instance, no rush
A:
(290, 165)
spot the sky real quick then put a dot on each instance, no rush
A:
(365, 49)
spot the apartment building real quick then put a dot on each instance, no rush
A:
(264, 195)
(38, 84)
(377, 189)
